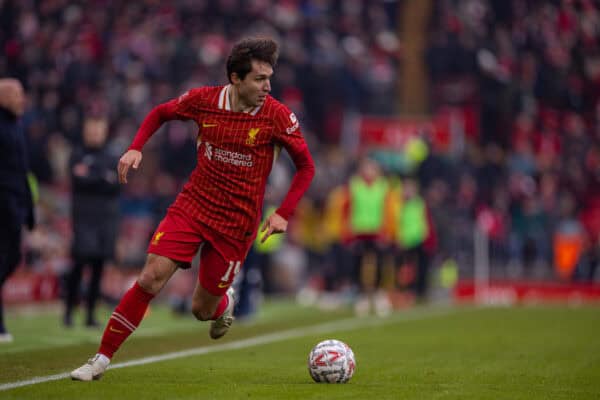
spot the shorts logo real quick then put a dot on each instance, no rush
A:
(157, 238)
(252, 132)
(222, 285)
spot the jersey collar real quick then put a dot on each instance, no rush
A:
(225, 104)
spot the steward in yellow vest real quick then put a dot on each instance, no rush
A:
(368, 192)
(412, 230)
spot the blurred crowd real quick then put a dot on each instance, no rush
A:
(531, 69)
(527, 71)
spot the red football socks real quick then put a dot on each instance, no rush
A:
(221, 307)
(125, 319)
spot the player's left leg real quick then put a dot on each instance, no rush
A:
(219, 309)
(206, 306)
(214, 297)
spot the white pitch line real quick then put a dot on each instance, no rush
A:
(344, 324)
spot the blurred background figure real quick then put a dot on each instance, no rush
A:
(254, 278)
(414, 238)
(368, 192)
(16, 203)
(95, 213)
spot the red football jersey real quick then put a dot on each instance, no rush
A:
(236, 152)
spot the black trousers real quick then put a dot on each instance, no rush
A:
(73, 285)
(368, 263)
(10, 255)
(419, 259)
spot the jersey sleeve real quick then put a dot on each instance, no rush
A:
(288, 134)
(155, 118)
(187, 106)
(182, 108)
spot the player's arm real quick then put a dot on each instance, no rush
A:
(159, 115)
(296, 147)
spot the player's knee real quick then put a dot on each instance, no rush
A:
(201, 312)
(150, 281)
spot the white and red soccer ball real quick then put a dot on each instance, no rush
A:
(331, 361)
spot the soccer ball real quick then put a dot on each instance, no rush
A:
(331, 361)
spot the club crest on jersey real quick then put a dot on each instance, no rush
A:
(252, 133)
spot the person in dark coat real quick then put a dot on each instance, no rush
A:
(16, 204)
(95, 213)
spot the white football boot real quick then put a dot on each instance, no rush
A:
(362, 307)
(6, 338)
(383, 305)
(93, 369)
(220, 326)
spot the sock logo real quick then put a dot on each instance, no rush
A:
(115, 330)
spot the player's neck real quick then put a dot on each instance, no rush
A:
(237, 104)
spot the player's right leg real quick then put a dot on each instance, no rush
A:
(128, 315)
(173, 245)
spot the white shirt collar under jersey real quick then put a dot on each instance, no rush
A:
(225, 103)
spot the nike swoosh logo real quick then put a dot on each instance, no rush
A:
(110, 328)
(207, 125)
(222, 285)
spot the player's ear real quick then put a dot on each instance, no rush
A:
(235, 78)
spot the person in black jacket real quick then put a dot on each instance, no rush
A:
(95, 213)
(16, 205)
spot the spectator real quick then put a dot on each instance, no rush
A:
(95, 212)
(16, 204)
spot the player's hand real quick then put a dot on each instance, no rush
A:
(132, 158)
(274, 224)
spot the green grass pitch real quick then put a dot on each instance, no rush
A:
(550, 352)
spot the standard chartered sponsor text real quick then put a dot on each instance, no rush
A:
(232, 157)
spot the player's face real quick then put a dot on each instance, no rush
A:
(256, 85)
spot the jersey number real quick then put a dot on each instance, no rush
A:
(233, 266)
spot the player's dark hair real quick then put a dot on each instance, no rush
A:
(254, 48)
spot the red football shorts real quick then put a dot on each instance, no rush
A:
(179, 237)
